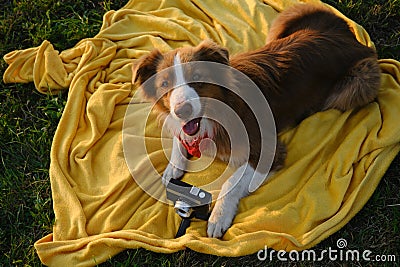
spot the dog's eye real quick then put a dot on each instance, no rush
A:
(164, 84)
(196, 77)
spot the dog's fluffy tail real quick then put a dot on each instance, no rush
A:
(359, 87)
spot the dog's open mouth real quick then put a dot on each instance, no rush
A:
(192, 126)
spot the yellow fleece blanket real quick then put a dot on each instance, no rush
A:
(335, 160)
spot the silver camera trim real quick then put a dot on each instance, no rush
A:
(183, 209)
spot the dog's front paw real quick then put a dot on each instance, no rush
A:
(171, 172)
(221, 217)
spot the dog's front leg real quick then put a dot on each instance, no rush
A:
(236, 187)
(177, 164)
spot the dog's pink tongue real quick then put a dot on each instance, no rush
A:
(192, 127)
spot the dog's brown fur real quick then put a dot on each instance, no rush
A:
(311, 62)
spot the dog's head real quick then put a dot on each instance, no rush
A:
(179, 90)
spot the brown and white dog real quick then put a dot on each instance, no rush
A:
(311, 62)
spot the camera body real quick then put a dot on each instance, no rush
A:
(189, 201)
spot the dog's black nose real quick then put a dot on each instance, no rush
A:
(184, 110)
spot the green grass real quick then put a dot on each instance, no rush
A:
(28, 121)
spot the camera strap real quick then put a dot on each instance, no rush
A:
(185, 223)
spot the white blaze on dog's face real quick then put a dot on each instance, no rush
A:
(184, 100)
(185, 119)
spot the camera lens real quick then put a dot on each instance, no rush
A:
(183, 209)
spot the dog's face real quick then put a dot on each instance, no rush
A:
(178, 89)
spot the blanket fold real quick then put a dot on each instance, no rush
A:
(335, 160)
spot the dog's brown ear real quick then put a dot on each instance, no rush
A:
(143, 69)
(210, 51)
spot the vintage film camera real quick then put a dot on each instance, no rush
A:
(189, 202)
